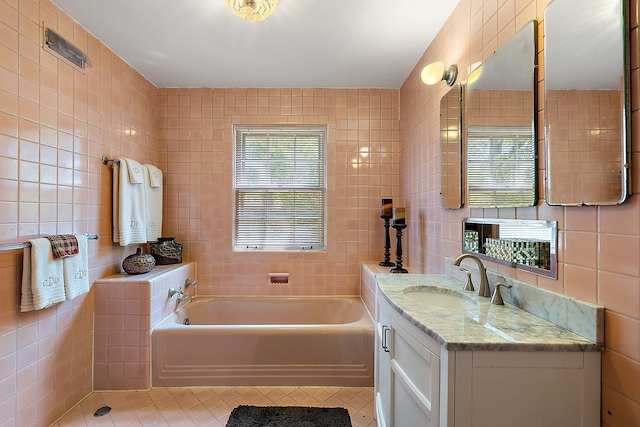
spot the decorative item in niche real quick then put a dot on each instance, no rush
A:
(500, 126)
(586, 113)
(523, 244)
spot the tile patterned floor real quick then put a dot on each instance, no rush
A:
(196, 407)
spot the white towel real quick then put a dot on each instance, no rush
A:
(76, 270)
(155, 176)
(44, 275)
(153, 202)
(129, 207)
(26, 300)
(115, 202)
(136, 172)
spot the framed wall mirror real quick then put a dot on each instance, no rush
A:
(586, 102)
(500, 117)
(451, 148)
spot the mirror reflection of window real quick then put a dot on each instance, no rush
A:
(500, 126)
(585, 103)
(509, 150)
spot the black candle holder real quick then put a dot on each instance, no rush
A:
(398, 268)
(387, 243)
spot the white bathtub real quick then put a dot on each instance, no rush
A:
(265, 341)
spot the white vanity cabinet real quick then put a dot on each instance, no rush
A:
(407, 372)
(419, 382)
(382, 379)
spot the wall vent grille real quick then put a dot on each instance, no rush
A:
(64, 48)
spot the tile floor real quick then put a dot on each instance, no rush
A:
(196, 407)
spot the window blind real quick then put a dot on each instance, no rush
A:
(501, 166)
(280, 188)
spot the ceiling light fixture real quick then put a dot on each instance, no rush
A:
(435, 72)
(252, 10)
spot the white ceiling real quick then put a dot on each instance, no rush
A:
(304, 44)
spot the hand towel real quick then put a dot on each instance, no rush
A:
(153, 196)
(155, 176)
(129, 207)
(45, 273)
(136, 172)
(76, 270)
(115, 202)
(63, 245)
(26, 299)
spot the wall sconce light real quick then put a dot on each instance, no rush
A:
(435, 72)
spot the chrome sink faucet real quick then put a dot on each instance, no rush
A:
(483, 290)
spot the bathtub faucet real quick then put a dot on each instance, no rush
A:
(182, 296)
(188, 283)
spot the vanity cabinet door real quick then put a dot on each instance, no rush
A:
(529, 389)
(415, 376)
(383, 365)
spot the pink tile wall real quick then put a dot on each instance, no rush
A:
(196, 128)
(127, 308)
(599, 247)
(56, 121)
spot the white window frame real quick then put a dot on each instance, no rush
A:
(268, 170)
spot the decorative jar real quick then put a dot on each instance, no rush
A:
(166, 251)
(138, 263)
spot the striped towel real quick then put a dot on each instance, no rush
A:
(63, 245)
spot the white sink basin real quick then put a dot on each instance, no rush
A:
(440, 297)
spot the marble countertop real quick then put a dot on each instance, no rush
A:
(485, 327)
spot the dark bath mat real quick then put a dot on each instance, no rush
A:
(288, 416)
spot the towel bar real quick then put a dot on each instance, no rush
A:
(106, 160)
(12, 246)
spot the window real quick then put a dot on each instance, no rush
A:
(280, 188)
